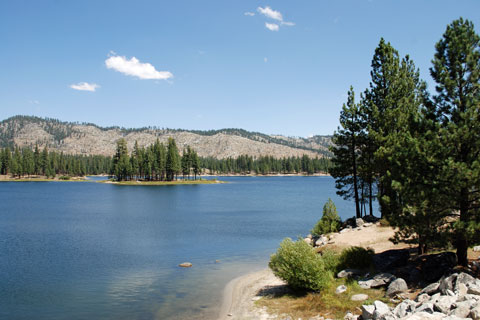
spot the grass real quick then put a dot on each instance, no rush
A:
(161, 183)
(325, 303)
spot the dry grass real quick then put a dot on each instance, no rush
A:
(325, 303)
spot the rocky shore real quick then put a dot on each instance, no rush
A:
(422, 287)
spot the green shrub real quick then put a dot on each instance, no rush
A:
(64, 178)
(331, 260)
(300, 266)
(356, 257)
(384, 222)
(330, 221)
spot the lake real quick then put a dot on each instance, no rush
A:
(73, 250)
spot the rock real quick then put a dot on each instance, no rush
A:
(446, 283)
(321, 241)
(381, 309)
(382, 279)
(391, 259)
(359, 297)
(476, 248)
(404, 308)
(185, 265)
(434, 266)
(350, 316)
(475, 312)
(426, 307)
(424, 315)
(308, 241)
(473, 289)
(431, 288)
(435, 297)
(367, 312)
(367, 224)
(462, 309)
(423, 297)
(341, 289)
(454, 318)
(359, 222)
(461, 289)
(309, 236)
(397, 286)
(344, 230)
(348, 273)
(464, 278)
(370, 218)
(444, 304)
(365, 284)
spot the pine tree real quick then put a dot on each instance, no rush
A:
(346, 152)
(173, 165)
(456, 71)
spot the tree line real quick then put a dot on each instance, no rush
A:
(266, 165)
(21, 162)
(417, 153)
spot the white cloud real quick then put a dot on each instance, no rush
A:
(288, 24)
(85, 86)
(270, 13)
(250, 14)
(271, 26)
(135, 68)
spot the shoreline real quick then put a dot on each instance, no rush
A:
(241, 293)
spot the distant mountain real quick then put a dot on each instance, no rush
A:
(90, 139)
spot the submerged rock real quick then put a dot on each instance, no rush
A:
(185, 265)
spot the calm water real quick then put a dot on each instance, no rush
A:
(72, 250)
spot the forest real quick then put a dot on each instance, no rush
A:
(417, 152)
(157, 162)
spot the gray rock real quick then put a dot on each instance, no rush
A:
(476, 248)
(446, 283)
(424, 315)
(309, 236)
(426, 307)
(367, 312)
(367, 224)
(404, 308)
(382, 279)
(462, 309)
(422, 297)
(348, 273)
(454, 318)
(350, 316)
(365, 284)
(359, 297)
(444, 304)
(473, 289)
(344, 230)
(461, 289)
(464, 278)
(451, 293)
(308, 241)
(341, 289)
(397, 286)
(475, 312)
(435, 297)
(381, 309)
(359, 222)
(321, 241)
(431, 288)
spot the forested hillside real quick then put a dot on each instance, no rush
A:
(90, 139)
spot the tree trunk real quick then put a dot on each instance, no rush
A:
(462, 242)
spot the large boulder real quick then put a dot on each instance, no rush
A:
(404, 308)
(359, 222)
(381, 310)
(370, 219)
(396, 287)
(447, 283)
(462, 309)
(391, 259)
(444, 304)
(367, 312)
(431, 288)
(434, 266)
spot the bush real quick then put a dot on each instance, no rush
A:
(300, 266)
(330, 221)
(64, 178)
(356, 257)
(331, 260)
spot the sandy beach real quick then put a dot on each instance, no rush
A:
(241, 293)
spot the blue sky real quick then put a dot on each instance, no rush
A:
(278, 67)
